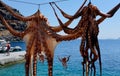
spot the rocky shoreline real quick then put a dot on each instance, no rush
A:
(13, 22)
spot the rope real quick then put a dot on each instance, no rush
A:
(23, 2)
(36, 3)
(53, 1)
(38, 6)
(89, 0)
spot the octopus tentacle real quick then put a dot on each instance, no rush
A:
(92, 65)
(27, 64)
(35, 59)
(15, 14)
(14, 32)
(83, 42)
(35, 64)
(49, 57)
(70, 30)
(111, 12)
(82, 47)
(59, 37)
(59, 28)
(92, 36)
(60, 22)
(93, 68)
(76, 15)
(29, 56)
(82, 51)
(93, 56)
(39, 48)
(93, 53)
(99, 54)
(50, 65)
(64, 37)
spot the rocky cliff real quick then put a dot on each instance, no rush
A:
(13, 22)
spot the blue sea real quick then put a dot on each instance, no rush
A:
(110, 54)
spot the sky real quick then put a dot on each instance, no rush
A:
(108, 29)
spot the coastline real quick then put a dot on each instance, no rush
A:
(13, 58)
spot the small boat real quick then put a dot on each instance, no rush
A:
(12, 49)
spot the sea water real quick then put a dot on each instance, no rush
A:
(110, 54)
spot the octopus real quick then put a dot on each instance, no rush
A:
(39, 37)
(89, 48)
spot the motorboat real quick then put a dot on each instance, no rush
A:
(12, 49)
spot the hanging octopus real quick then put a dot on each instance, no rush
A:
(39, 37)
(89, 36)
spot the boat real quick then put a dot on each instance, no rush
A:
(12, 49)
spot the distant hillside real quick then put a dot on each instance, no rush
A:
(13, 22)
